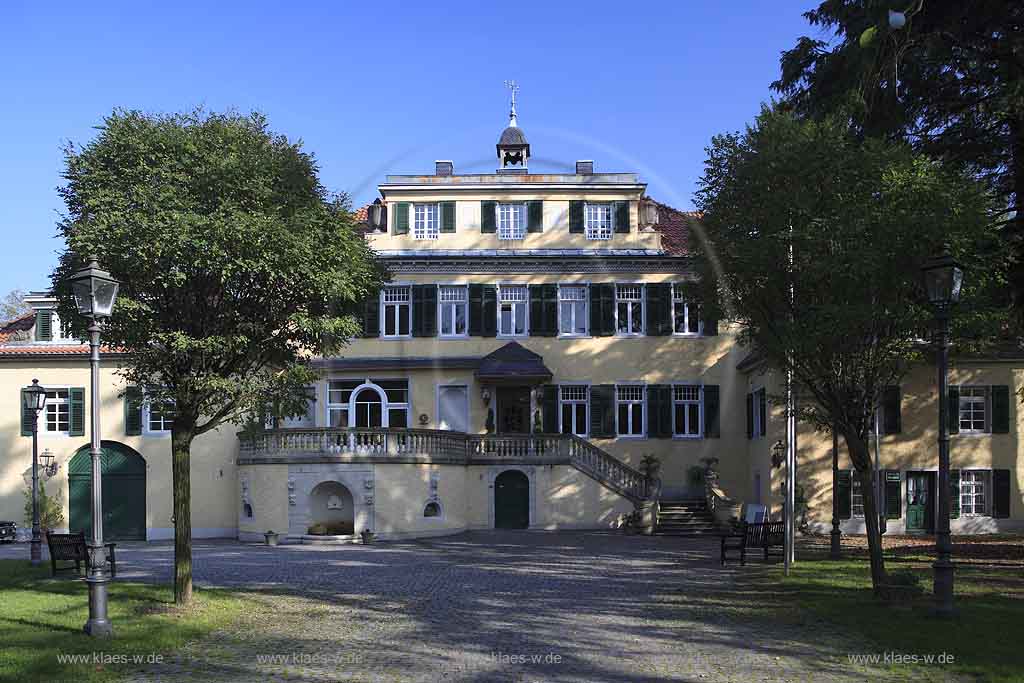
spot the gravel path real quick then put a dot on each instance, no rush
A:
(489, 607)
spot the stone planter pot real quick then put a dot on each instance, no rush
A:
(271, 538)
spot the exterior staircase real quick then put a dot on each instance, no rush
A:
(687, 517)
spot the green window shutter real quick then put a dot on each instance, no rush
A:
(535, 216)
(712, 420)
(549, 409)
(543, 310)
(371, 315)
(659, 309)
(576, 221)
(893, 489)
(1000, 409)
(476, 310)
(133, 411)
(400, 220)
(488, 219)
(602, 410)
(762, 407)
(447, 217)
(843, 492)
(602, 310)
(892, 419)
(1001, 494)
(490, 311)
(424, 310)
(27, 416)
(953, 418)
(621, 216)
(750, 416)
(77, 410)
(659, 411)
(44, 325)
(954, 494)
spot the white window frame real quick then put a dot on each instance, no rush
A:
(594, 225)
(700, 410)
(525, 303)
(632, 303)
(441, 303)
(585, 401)
(147, 411)
(397, 305)
(855, 493)
(984, 483)
(643, 411)
(679, 301)
(510, 220)
(759, 429)
(585, 287)
(44, 413)
(426, 224)
(985, 399)
(386, 405)
(56, 329)
(437, 402)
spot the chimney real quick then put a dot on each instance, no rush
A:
(444, 168)
(585, 167)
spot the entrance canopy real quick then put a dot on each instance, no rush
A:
(513, 364)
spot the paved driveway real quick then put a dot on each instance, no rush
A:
(496, 606)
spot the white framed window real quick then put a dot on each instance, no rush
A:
(396, 311)
(158, 416)
(425, 224)
(974, 487)
(513, 305)
(974, 410)
(686, 410)
(856, 497)
(629, 310)
(453, 310)
(57, 414)
(685, 316)
(511, 221)
(574, 401)
(630, 409)
(572, 310)
(759, 398)
(597, 221)
(365, 403)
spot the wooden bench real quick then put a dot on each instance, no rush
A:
(72, 548)
(764, 535)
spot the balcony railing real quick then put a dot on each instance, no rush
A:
(432, 445)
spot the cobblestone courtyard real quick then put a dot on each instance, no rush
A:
(496, 606)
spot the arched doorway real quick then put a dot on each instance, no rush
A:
(331, 510)
(124, 492)
(511, 500)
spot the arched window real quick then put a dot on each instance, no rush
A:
(247, 510)
(368, 403)
(369, 408)
(432, 509)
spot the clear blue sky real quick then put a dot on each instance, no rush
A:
(376, 88)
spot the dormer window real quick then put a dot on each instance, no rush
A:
(48, 327)
(598, 225)
(511, 225)
(425, 223)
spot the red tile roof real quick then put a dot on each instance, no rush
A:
(674, 226)
(362, 214)
(22, 323)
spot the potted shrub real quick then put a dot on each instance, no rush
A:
(271, 537)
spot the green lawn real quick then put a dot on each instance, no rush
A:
(984, 637)
(41, 618)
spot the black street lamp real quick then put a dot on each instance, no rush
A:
(33, 401)
(943, 278)
(94, 291)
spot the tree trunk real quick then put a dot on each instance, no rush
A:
(181, 444)
(862, 463)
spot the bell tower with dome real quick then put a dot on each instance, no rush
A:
(513, 149)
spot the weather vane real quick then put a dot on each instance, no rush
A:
(514, 87)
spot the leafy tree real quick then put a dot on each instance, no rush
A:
(51, 508)
(235, 266)
(817, 239)
(13, 305)
(950, 82)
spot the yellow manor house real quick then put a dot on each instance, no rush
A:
(535, 344)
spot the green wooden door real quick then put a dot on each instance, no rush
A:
(511, 500)
(918, 500)
(124, 493)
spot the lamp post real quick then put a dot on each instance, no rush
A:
(33, 400)
(943, 277)
(94, 291)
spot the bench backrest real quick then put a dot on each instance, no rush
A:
(66, 546)
(759, 533)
